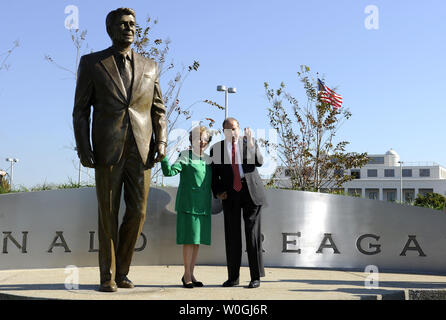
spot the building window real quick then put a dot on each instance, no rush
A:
(409, 195)
(425, 172)
(425, 191)
(356, 174)
(376, 160)
(372, 173)
(389, 173)
(407, 173)
(373, 195)
(355, 192)
(391, 196)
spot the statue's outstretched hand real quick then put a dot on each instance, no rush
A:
(160, 151)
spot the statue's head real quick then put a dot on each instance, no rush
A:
(121, 25)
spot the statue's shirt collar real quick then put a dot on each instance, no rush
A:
(127, 53)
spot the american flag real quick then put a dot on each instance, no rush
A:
(329, 96)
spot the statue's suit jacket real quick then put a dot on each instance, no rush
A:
(99, 85)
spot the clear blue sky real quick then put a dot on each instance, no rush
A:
(391, 79)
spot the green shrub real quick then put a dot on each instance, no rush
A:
(343, 193)
(431, 200)
(4, 186)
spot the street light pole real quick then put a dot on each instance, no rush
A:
(11, 170)
(226, 104)
(401, 181)
(226, 90)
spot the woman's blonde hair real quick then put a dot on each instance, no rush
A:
(199, 131)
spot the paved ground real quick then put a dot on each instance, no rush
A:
(163, 283)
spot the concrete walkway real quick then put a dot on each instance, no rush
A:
(163, 283)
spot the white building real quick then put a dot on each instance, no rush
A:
(383, 177)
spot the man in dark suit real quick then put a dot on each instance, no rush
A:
(236, 181)
(129, 135)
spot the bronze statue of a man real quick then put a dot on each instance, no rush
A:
(129, 134)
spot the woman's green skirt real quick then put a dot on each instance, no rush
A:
(193, 228)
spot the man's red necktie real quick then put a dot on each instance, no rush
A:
(235, 170)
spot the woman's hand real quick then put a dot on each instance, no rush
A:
(222, 195)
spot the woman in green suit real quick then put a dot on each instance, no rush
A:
(193, 201)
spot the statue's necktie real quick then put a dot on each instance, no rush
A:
(125, 70)
(235, 169)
